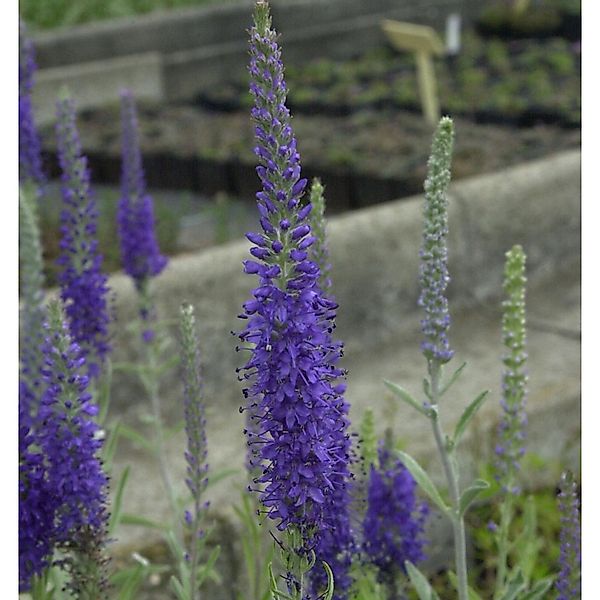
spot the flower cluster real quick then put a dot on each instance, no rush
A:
(83, 285)
(296, 403)
(394, 522)
(62, 486)
(30, 160)
(568, 584)
(36, 504)
(511, 431)
(68, 435)
(135, 217)
(434, 276)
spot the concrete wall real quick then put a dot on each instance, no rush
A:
(375, 263)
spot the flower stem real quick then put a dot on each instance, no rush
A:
(506, 512)
(450, 470)
(151, 385)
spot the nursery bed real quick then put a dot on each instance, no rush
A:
(363, 158)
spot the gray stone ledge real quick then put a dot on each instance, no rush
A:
(374, 255)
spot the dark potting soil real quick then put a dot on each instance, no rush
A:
(363, 158)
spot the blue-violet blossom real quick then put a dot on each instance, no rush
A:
(394, 522)
(294, 397)
(135, 217)
(30, 161)
(36, 504)
(83, 285)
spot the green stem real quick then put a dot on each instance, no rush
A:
(151, 385)
(506, 511)
(458, 524)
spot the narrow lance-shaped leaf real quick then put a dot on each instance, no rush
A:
(467, 416)
(424, 481)
(405, 396)
(471, 494)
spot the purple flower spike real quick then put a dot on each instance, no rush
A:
(36, 504)
(135, 217)
(83, 285)
(30, 160)
(69, 436)
(434, 252)
(298, 431)
(394, 522)
(568, 584)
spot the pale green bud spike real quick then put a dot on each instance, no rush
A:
(433, 275)
(368, 438)
(514, 379)
(262, 16)
(31, 283)
(318, 226)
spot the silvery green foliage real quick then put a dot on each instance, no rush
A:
(568, 584)
(32, 294)
(511, 432)
(434, 280)
(434, 252)
(196, 451)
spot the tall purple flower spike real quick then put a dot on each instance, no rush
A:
(394, 521)
(135, 217)
(69, 436)
(36, 504)
(30, 160)
(299, 415)
(83, 285)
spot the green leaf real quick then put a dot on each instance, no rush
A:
(115, 517)
(401, 393)
(427, 387)
(177, 589)
(277, 595)
(104, 396)
(471, 493)
(217, 476)
(330, 585)
(133, 579)
(207, 569)
(515, 587)
(423, 480)
(420, 583)
(129, 519)
(538, 591)
(135, 437)
(473, 595)
(527, 544)
(454, 377)
(109, 449)
(467, 416)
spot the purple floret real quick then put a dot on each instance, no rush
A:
(140, 253)
(36, 503)
(299, 418)
(30, 161)
(394, 521)
(70, 439)
(83, 285)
